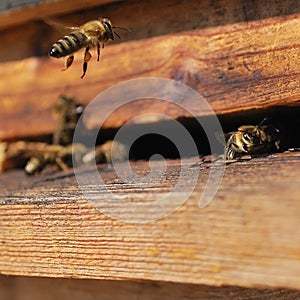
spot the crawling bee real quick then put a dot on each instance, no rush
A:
(250, 139)
(54, 155)
(91, 34)
(107, 153)
(66, 115)
(37, 163)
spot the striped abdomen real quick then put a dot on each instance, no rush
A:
(68, 44)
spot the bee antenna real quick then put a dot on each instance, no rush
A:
(117, 34)
(257, 127)
(262, 122)
(123, 28)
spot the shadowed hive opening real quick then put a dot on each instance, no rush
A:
(151, 144)
(285, 119)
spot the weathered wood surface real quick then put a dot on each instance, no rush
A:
(145, 19)
(247, 236)
(30, 288)
(236, 55)
(235, 67)
(15, 13)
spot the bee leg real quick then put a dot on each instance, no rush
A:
(87, 57)
(69, 62)
(98, 52)
(61, 164)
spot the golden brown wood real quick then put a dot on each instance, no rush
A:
(25, 288)
(235, 67)
(240, 55)
(247, 236)
(45, 9)
(144, 18)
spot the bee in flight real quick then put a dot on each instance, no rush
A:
(90, 35)
(250, 139)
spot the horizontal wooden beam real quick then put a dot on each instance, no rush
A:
(247, 236)
(145, 19)
(37, 10)
(30, 288)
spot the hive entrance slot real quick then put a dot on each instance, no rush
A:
(285, 119)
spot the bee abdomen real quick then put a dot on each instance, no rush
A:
(68, 44)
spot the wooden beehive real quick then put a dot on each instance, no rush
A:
(243, 58)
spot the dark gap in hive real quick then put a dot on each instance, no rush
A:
(285, 119)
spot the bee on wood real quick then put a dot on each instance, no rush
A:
(66, 114)
(252, 140)
(37, 163)
(90, 35)
(54, 155)
(107, 153)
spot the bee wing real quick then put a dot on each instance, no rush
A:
(72, 27)
(60, 26)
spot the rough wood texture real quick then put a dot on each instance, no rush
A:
(240, 55)
(36, 10)
(145, 19)
(25, 288)
(247, 236)
(235, 67)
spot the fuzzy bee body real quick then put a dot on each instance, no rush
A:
(90, 35)
(68, 44)
(66, 114)
(252, 140)
(35, 165)
(58, 156)
(108, 152)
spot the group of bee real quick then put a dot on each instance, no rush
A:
(62, 153)
(93, 34)
(248, 139)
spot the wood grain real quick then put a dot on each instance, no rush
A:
(25, 288)
(242, 57)
(236, 67)
(43, 9)
(247, 236)
(146, 19)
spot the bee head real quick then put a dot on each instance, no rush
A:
(108, 28)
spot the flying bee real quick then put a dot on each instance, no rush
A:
(250, 139)
(66, 114)
(91, 34)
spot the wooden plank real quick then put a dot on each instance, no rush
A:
(247, 236)
(36, 10)
(25, 288)
(145, 19)
(234, 67)
(7, 4)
